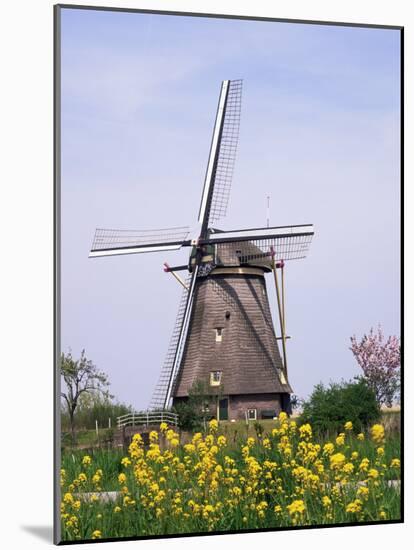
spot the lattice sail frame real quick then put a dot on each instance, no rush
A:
(129, 241)
(227, 154)
(259, 245)
(260, 251)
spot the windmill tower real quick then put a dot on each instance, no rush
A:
(224, 334)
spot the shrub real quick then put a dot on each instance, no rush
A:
(189, 417)
(328, 408)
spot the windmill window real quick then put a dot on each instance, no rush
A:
(252, 414)
(219, 334)
(215, 378)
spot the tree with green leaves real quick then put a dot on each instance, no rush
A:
(200, 406)
(81, 377)
(328, 408)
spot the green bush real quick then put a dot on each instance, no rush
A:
(328, 408)
(189, 416)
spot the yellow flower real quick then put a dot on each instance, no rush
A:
(137, 438)
(207, 509)
(86, 460)
(395, 463)
(328, 448)
(221, 441)
(262, 506)
(340, 440)
(305, 431)
(250, 441)
(348, 426)
(282, 416)
(77, 504)
(175, 441)
(361, 437)
(337, 461)
(197, 437)
(122, 478)
(68, 498)
(125, 461)
(97, 534)
(296, 507)
(277, 509)
(117, 509)
(348, 468)
(82, 477)
(189, 448)
(96, 478)
(377, 433)
(266, 443)
(326, 501)
(363, 491)
(354, 455)
(354, 507)
(153, 436)
(373, 473)
(382, 515)
(380, 451)
(128, 501)
(213, 425)
(163, 427)
(364, 464)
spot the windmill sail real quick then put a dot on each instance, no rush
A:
(161, 389)
(162, 392)
(257, 245)
(223, 149)
(112, 242)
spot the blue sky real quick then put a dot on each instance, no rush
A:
(319, 134)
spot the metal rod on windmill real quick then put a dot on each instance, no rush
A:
(282, 277)
(168, 269)
(224, 302)
(275, 266)
(268, 212)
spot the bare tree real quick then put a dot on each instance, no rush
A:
(81, 376)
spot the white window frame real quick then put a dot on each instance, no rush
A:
(219, 334)
(213, 374)
(248, 414)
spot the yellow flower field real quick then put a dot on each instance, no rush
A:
(284, 478)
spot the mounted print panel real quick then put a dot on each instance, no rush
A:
(228, 302)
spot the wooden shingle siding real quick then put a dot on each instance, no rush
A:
(248, 354)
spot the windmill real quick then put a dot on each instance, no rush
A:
(224, 334)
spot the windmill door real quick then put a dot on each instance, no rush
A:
(223, 409)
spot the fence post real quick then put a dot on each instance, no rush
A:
(147, 419)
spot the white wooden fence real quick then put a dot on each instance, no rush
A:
(147, 418)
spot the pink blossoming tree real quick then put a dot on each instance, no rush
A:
(379, 360)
